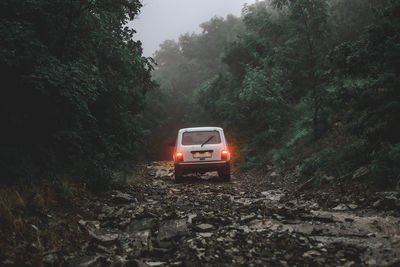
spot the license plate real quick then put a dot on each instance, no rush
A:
(205, 154)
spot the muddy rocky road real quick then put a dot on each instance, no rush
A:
(250, 221)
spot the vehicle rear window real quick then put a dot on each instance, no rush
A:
(199, 137)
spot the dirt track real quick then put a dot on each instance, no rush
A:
(251, 221)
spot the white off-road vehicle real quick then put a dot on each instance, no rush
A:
(201, 149)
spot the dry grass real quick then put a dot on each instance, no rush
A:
(33, 222)
(138, 175)
(11, 201)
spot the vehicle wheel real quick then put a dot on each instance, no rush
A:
(225, 174)
(178, 175)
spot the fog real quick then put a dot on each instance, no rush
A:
(161, 20)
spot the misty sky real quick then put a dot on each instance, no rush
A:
(161, 20)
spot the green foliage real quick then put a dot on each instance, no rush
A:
(295, 78)
(62, 189)
(385, 164)
(73, 87)
(317, 161)
(309, 82)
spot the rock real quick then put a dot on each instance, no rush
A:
(352, 206)
(273, 195)
(349, 264)
(86, 261)
(50, 259)
(176, 263)
(172, 229)
(371, 262)
(360, 172)
(247, 218)
(311, 254)
(124, 223)
(245, 223)
(122, 197)
(205, 234)
(377, 203)
(107, 210)
(327, 218)
(204, 227)
(159, 252)
(239, 259)
(244, 228)
(164, 244)
(118, 261)
(102, 249)
(155, 263)
(142, 224)
(143, 236)
(328, 178)
(8, 262)
(191, 217)
(341, 207)
(119, 213)
(105, 239)
(278, 217)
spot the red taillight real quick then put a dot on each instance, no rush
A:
(224, 154)
(179, 156)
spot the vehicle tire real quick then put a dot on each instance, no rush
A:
(225, 173)
(178, 175)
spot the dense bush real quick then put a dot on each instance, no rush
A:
(385, 165)
(309, 83)
(306, 82)
(73, 87)
(317, 161)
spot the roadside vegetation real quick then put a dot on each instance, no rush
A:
(310, 85)
(307, 92)
(73, 90)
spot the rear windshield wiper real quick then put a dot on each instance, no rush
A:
(208, 139)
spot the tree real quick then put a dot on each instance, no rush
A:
(73, 85)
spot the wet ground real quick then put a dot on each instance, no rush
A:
(251, 221)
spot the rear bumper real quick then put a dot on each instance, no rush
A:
(201, 166)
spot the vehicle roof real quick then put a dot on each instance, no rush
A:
(196, 129)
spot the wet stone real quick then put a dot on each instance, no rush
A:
(323, 217)
(311, 254)
(142, 224)
(248, 218)
(86, 261)
(50, 259)
(164, 244)
(172, 229)
(159, 252)
(341, 207)
(105, 239)
(155, 263)
(206, 234)
(191, 217)
(244, 223)
(352, 206)
(143, 236)
(118, 196)
(204, 227)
